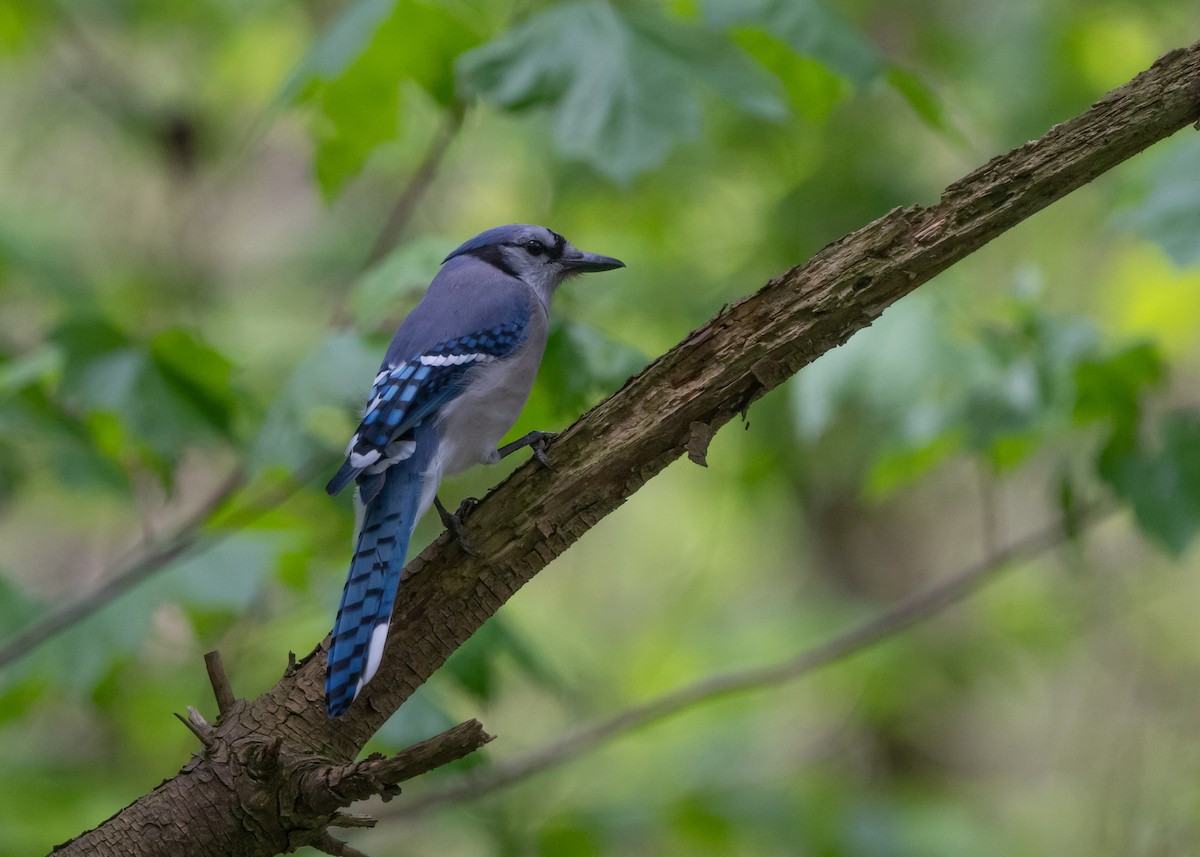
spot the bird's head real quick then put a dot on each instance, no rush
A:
(537, 255)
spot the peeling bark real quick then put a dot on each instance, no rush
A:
(264, 785)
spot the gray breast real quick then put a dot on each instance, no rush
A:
(471, 426)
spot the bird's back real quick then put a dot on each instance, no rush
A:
(466, 297)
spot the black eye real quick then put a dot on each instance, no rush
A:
(535, 247)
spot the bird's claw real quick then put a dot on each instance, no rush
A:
(453, 521)
(539, 450)
(536, 441)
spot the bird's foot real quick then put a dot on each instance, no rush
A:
(453, 521)
(535, 440)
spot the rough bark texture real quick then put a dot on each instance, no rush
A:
(247, 793)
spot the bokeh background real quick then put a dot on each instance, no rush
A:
(214, 213)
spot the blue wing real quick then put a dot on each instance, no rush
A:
(406, 393)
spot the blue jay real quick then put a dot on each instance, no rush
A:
(451, 385)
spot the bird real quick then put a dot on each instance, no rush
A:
(451, 385)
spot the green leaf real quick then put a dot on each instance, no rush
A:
(813, 89)
(47, 431)
(1162, 485)
(198, 372)
(359, 109)
(1111, 388)
(1028, 391)
(863, 381)
(394, 281)
(341, 42)
(17, 608)
(809, 28)
(474, 665)
(570, 835)
(582, 364)
(12, 472)
(39, 366)
(1009, 450)
(145, 399)
(621, 84)
(316, 407)
(1002, 392)
(85, 337)
(897, 468)
(924, 101)
(700, 820)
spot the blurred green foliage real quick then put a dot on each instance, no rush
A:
(191, 192)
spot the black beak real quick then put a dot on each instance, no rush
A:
(577, 260)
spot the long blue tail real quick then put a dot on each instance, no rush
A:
(360, 629)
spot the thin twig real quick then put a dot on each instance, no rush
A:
(150, 559)
(219, 680)
(331, 786)
(352, 819)
(449, 746)
(418, 185)
(197, 725)
(153, 557)
(904, 614)
(406, 203)
(328, 844)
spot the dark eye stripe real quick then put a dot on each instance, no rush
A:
(492, 255)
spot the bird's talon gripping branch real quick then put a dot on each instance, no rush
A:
(466, 507)
(536, 441)
(453, 521)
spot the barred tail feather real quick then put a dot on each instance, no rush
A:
(360, 630)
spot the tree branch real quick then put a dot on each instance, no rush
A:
(222, 690)
(331, 787)
(713, 375)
